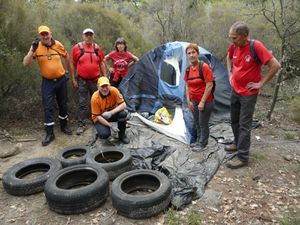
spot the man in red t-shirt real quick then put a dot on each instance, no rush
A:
(86, 64)
(246, 79)
(121, 60)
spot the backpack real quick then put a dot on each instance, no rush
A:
(187, 71)
(253, 52)
(82, 51)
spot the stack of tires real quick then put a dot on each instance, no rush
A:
(77, 181)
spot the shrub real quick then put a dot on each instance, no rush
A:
(295, 109)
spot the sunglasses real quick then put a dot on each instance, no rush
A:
(44, 34)
(88, 34)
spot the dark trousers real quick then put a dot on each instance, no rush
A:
(242, 110)
(115, 80)
(86, 89)
(50, 89)
(201, 122)
(104, 131)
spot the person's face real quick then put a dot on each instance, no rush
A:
(88, 38)
(237, 39)
(121, 47)
(104, 89)
(46, 38)
(192, 55)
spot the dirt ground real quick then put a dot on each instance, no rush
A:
(265, 192)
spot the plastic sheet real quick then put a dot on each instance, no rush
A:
(187, 173)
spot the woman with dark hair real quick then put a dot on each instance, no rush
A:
(199, 94)
(121, 61)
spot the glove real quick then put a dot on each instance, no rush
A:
(114, 129)
(35, 44)
(106, 115)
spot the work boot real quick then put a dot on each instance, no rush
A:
(123, 138)
(49, 136)
(80, 129)
(64, 127)
(230, 148)
(236, 163)
(197, 147)
(194, 145)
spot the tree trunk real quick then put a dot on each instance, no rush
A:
(278, 82)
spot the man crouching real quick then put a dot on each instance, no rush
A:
(107, 105)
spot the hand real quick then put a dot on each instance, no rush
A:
(111, 70)
(253, 85)
(230, 78)
(35, 45)
(107, 115)
(74, 83)
(114, 129)
(191, 106)
(201, 106)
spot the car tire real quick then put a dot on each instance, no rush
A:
(139, 206)
(115, 161)
(73, 155)
(77, 189)
(13, 179)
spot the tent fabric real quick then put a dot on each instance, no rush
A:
(157, 80)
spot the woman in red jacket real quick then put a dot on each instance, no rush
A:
(121, 60)
(199, 94)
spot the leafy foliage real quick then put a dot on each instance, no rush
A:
(67, 19)
(144, 24)
(295, 109)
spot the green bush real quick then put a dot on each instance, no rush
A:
(193, 217)
(291, 218)
(295, 109)
(19, 85)
(289, 136)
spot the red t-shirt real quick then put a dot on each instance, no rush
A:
(88, 66)
(197, 86)
(245, 69)
(120, 61)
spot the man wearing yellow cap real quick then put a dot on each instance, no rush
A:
(107, 105)
(48, 52)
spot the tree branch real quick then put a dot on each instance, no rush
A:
(273, 22)
(293, 33)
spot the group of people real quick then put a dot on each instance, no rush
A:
(244, 64)
(88, 64)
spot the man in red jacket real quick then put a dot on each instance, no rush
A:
(85, 67)
(244, 63)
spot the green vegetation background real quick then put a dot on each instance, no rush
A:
(144, 24)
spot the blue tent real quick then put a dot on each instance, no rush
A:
(157, 80)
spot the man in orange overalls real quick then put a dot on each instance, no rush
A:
(48, 52)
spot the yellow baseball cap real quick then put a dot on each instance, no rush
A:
(103, 81)
(43, 28)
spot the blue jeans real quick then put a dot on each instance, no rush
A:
(242, 110)
(86, 89)
(104, 131)
(50, 89)
(201, 122)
